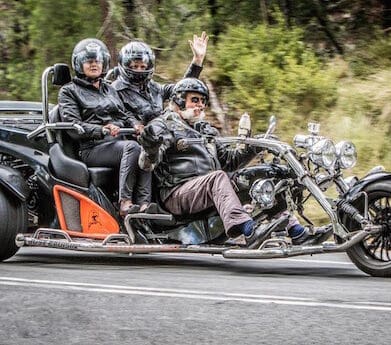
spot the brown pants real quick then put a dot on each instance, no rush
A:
(203, 192)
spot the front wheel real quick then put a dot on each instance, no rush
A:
(13, 219)
(373, 254)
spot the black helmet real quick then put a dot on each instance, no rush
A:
(90, 48)
(136, 50)
(188, 85)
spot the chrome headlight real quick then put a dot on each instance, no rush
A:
(323, 153)
(263, 193)
(347, 154)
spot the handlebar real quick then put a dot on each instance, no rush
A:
(71, 126)
(54, 127)
(124, 131)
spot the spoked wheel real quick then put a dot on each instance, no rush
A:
(379, 246)
(373, 254)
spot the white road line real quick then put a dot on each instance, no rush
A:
(192, 294)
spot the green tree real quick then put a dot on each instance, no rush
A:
(269, 69)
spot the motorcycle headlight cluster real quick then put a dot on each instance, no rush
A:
(323, 153)
(347, 154)
(263, 193)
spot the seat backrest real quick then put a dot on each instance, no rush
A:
(68, 169)
(68, 145)
(64, 158)
(64, 155)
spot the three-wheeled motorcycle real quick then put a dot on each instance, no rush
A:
(49, 198)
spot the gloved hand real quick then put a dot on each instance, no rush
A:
(205, 128)
(150, 140)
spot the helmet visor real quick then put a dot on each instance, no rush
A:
(91, 56)
(137, 61)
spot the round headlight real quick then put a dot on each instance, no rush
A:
(323, 153)
(263, 193)
(347, 154)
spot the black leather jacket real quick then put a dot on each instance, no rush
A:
(176, 165)
(144, 104)
(80, 102)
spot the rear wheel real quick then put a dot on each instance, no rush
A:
(373, 254)
(13, 219)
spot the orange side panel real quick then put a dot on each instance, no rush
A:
(95, 221)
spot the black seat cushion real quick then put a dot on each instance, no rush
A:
(68, 169)
(104, 177)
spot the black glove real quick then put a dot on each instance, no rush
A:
(150, 141)
(205, 128)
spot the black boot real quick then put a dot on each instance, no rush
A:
(313, 236)
(261, 232)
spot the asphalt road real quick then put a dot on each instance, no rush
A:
(59, 297)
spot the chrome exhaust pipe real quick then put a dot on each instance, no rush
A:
(287, 251)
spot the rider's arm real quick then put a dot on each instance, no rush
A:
(155, 139)
(70, 112)
(198, 45)
(130, 120)
(232, 159)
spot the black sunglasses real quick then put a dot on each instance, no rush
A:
(196, 99)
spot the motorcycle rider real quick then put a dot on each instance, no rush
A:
(95, 105)
(192, 178)
(143, 97)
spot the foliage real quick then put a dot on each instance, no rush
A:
(269, 69)
(326, 61)
(42, 34)
(367, 58)
(363, 115)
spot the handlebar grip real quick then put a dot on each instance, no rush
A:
(105, 131)
(124, 131)
(129, 131)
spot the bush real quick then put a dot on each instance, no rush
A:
(366, 58)
(268, 69)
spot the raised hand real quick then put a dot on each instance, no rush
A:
(199, 46)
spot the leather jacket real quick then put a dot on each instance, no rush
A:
(145, 102)
(80, 102)
(175, 164)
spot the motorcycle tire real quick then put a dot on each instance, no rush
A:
(13, 215)
(373, 254)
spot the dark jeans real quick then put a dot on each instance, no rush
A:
(203, 192)
(134, 183)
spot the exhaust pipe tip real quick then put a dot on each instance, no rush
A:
(19, 240)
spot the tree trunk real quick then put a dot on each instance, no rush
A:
(106, 30)
(263, 7)
(321, 16)
(217, 109)
(386, 22)
(286, 6)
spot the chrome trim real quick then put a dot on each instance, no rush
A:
(45, 101)
(286, 152)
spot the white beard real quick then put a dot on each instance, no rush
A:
(190, 116)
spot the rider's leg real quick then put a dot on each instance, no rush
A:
(203, 192)
(122, 155)
(215, 189)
